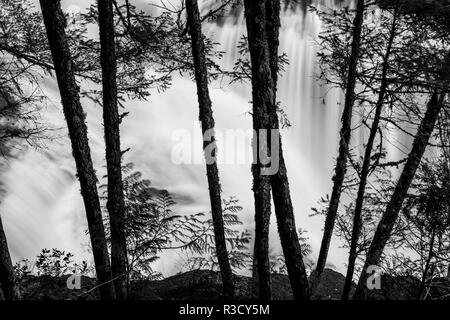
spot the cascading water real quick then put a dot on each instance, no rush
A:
(42, 206)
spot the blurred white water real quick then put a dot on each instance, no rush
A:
(43, 207)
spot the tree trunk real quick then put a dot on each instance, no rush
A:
(427, 266)
(55, 23)
(262, 199)
(7, 278)
(273, 25)
(207, 121)
(445, 140)
(357, 219)
(394, 206)
(265, 117)
(111, 120)
(345, 135)
(261, 263)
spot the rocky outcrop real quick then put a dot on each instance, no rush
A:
(206, 285)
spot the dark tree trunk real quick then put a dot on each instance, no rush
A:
(261, 263)
(345, 135)
(262, 183)
(7, 278)
(444, 130)
(445, 139)
(389, 218)
(280, 184)
(265, 117)
(288, 234)
(55, 23)
(207, 121)
(111, 121)
(427, 266)
(273, 25)
(365, 170)
(447, 187)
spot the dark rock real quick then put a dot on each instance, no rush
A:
(206, 285)
(396, 288)
(55, 288)
(330, 286)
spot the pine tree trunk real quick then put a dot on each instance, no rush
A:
(207, 121)
(389, 218)
(265, 117)
(345, 135)
(357, 219)
(55, 23)
(111, 120)
(7, 279)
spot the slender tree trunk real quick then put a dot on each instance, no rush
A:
(111, 121)
(345, 135)
(7, 279)
(263, 213)
(365, 170)
(446, 141)
(288, 233)
(280, 184)
(427, 266)
(207, 121)
(261, 263)
(446, 152)
(448, 207)
(55, 23)
(273, 25)
(444, 133)
(265, 117)
(386, 225)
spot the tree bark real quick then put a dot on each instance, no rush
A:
(365, 170)
(273, 25)
(389, 218)
(265, 117)
(345, 135)
(262, 183)
(427, 266)
(207, 122)
(7, 279)
(445, 140)
(261, 262)
(55, 23)
(111, 120)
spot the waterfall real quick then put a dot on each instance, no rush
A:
(42, 206)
